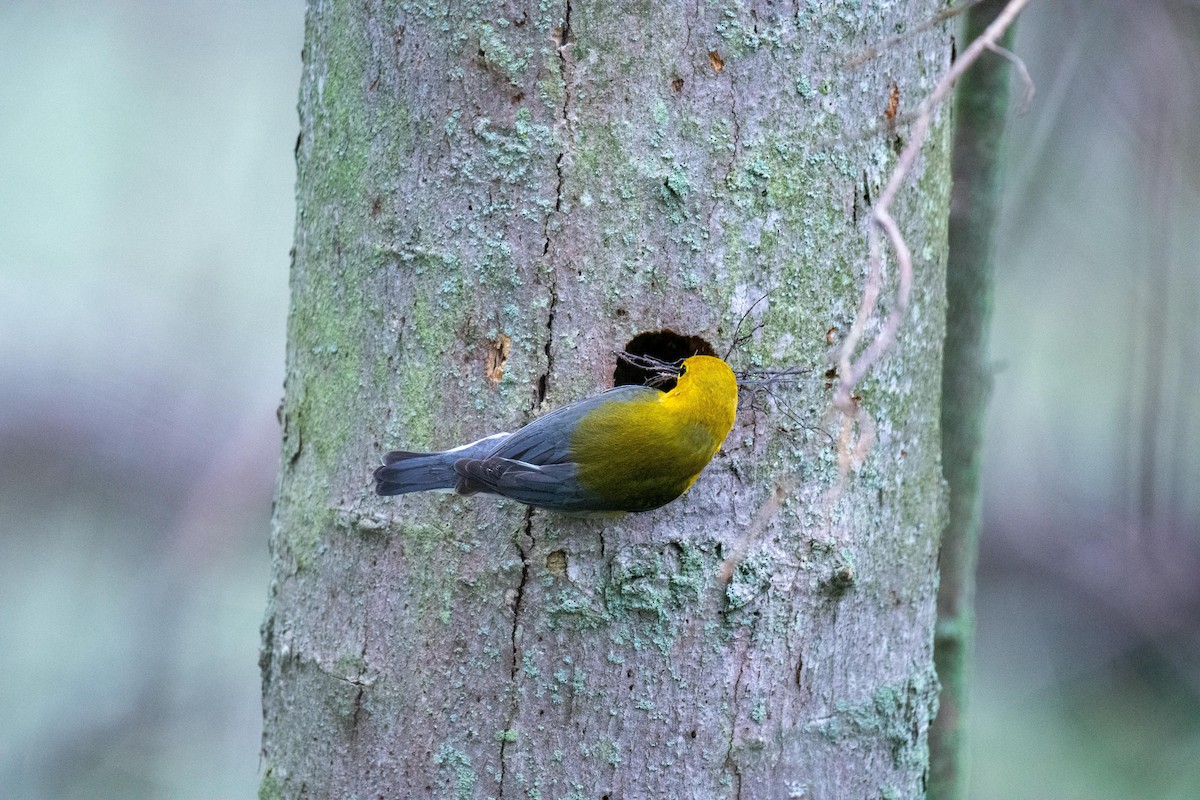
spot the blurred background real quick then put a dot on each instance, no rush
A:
(146, 183)
(1088, 651)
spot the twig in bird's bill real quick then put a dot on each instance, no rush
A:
(772, 377)
(659, 371)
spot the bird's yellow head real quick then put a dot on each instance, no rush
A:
(708, 389)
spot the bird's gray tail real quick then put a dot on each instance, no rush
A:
(403, 471)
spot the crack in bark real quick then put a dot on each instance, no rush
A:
(737, 123)
(737, 145)
(562, 59)
(358, 707)
(563, 43)
(512, 673)
(358, 681)
(563, 69)
(505, 736)
(544, 378)
(361, 679)
(688, 15)
(542, 388)
(730, 762)
(362, 671)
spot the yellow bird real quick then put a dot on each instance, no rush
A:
(632, 448)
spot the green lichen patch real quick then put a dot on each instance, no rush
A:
(510, 61)
(510, 153)
(576, 608)
(349, 666)
(603, 749)
(895, 714)
(434, 586)
(750, 579)
(652, 590)
(457, 772)
(270, 787)
(309, 520)
(656, 581)
(675, 192)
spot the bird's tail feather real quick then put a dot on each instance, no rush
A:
(403, 471)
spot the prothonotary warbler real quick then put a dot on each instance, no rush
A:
(632, 448)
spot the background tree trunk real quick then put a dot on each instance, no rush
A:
(490, 202)
(981, 107)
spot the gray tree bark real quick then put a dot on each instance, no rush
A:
(490, 202)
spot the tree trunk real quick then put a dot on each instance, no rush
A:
(489, 204)
(981, 106)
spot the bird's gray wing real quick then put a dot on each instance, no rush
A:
(554, 486)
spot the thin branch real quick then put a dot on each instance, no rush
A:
(851, 370)
(1022, 72)
(937, 19)
(740, 338)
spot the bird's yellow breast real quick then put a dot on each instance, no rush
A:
(642, 454)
